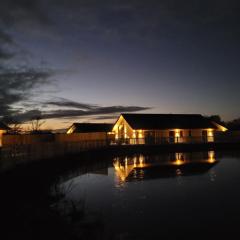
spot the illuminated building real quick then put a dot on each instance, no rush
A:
(165, 128)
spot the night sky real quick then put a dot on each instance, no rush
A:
(89, 60)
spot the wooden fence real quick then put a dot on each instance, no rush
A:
(24, 148)
(18, 149)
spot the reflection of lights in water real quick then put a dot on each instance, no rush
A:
(178, 162)
(135, 161)
(141, 174)
(126, 161)
(141, 161)
(134, 173)
(179, 159)
(123, 169)
(135, 166)
(179, 176)
(211, 157)
(212, 175)
(179, 156)
(178, 172)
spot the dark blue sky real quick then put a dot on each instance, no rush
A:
(169, 56)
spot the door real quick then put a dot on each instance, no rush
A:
(171, 136)
(204, 135)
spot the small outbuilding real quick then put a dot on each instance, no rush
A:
(90, 131)
(90, 128)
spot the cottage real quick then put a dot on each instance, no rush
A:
(3, 129)
(89, 132)
(90, 128)
(164, 128)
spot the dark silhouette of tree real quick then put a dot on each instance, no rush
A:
(36, 124)
(234, 124)
(15, 128)
(217, 119)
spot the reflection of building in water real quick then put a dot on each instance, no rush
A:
(124, 167)
(179, 159)
(171, 165)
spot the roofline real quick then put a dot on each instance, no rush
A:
(124, 119)
(180, 114)
(88, 123)
(220, 127)
(191, 114)
(91, 123)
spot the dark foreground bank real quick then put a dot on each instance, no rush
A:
(32, 204)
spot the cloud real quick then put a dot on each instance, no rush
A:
(97, 112)
(22, 11)
(5, 55)
(71, 113)
(17, 85)
(5, 38)
(62, 102)
(120, 18)
(70, 109)
(106, 117)
(134, 18)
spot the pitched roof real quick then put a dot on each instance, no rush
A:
(168, 121)
(91, 127)
(3, 126)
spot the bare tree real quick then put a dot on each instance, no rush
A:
(36, 124)
(16, 128)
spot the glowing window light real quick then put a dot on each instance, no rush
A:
(210, 132)
(110, 133)
(177, 132)
(1, 133)
(70, 130)
(210, 135)
(140, 133)
(134, 133)
(116, 134)
(125, 132)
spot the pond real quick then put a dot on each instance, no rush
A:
(161, 196)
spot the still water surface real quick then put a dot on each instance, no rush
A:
(164, 196)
